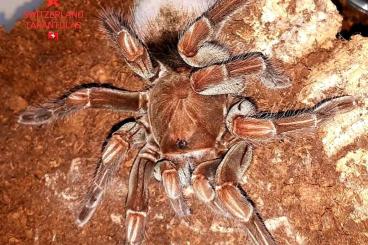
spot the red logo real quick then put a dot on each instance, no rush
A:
(53, 35)
(53, 19)
(55, 3)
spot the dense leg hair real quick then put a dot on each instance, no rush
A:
(204, 175)
(173, 189)
(231, 197)
(127, 137)
(231, 76)
(129, 46)
(215, 183)
(203, 182)
(94, 97)
(244, 122)
(137, 200)
(198, 46)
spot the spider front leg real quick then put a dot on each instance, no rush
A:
(230, 197)
(137, 200)
(203, 178)
(203, 184)
(94, 97)
(127, 137)
(198, 46)
(231, 76)
(244, 122)
(173, 189)
(128, 44)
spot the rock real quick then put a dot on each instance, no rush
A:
(290, 29)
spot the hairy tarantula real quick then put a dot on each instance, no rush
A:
(192, 127)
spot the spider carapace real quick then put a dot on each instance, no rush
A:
(175, 99)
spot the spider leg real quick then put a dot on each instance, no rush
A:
(127, 137)
(137, 200)
(203, 178)
(198, 45)
(231, 76)
(128, 44)
(243, 121)
(203, 184)
(94, 97)
(231, 198)
(171, 183)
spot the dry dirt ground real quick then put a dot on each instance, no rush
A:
(295, 185)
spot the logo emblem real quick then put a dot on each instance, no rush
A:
(55, 3)
(53, 35)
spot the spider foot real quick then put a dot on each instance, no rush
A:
(331, 107)
(90, 207)
(44, 113)
(272, 77)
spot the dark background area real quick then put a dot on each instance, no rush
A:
(355, 19)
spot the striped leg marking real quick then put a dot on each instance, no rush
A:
(173, 189)
(114, 154)
(253, 126)
(96, 97)
(232, 75)
(230, 197)
(137, 200)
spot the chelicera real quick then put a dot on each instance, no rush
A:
(192, 125)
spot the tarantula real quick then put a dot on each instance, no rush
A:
(192, 126)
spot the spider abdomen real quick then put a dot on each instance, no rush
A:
(179, 117)
(153, 18)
